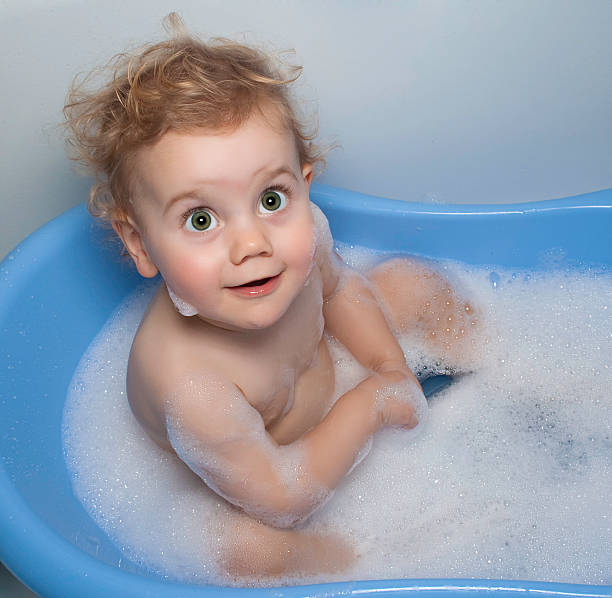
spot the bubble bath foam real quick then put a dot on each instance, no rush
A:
(510, 477)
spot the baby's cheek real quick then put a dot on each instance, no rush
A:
(310, 251)
(300, 249)
(190, 278)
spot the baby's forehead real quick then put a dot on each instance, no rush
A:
(180, 159)
(268, 121)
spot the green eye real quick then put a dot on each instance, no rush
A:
(271, 201)
(201, 220)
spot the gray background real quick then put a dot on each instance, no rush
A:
(456, 101)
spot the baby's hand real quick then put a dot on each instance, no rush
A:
(400, 401)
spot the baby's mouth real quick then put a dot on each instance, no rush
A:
(257, 288)
(257, 283)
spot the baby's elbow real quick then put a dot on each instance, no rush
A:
(285, 512)
(282, 519)
(286, 509)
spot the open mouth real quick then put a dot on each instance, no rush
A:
(258, 283)
(259, 287)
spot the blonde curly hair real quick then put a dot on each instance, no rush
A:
(181, 84)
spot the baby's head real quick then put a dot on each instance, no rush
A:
(204, 171)
(180, 85)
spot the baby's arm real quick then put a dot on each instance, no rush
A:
(354, 316)
(351, 310)
(222, 438)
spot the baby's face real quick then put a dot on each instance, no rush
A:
(226, 220)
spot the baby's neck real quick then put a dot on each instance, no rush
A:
(241, 335)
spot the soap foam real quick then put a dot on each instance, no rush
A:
(509, 479)
(184, 308)
(203, 449)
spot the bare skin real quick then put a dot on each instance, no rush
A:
(287, 365)
(241, 391)
(291, 390)
(419, 300)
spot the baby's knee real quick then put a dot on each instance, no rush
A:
(418, 300)
(255, 550)
(397, 272)
(251, 549)
(409, 291)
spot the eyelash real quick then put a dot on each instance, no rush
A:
(191, 211)
(279, 187)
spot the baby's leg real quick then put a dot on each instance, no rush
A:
(418, 300)
(253, 549)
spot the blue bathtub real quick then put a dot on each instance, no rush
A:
(60, 285)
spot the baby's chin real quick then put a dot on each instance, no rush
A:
(255, 314)
(257, 321)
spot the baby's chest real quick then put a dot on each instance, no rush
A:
(268, 375)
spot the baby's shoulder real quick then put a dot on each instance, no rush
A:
(326, 258)
(162, 348)
(162, 366)
(157, 352)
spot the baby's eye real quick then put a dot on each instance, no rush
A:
(200, 221)
(272, 201)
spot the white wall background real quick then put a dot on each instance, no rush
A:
(462, 101)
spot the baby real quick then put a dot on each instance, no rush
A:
(205, 176)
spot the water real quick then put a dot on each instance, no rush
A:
(510, 478)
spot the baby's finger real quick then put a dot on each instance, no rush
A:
(402, 404)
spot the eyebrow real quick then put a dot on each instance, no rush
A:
(191, 193)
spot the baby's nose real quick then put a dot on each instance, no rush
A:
(249, 240)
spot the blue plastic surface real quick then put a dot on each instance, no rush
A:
(59, 286)
(434, 384)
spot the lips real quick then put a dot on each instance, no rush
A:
(257, 288)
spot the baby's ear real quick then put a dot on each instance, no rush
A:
(132, 240)
(308, 172)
